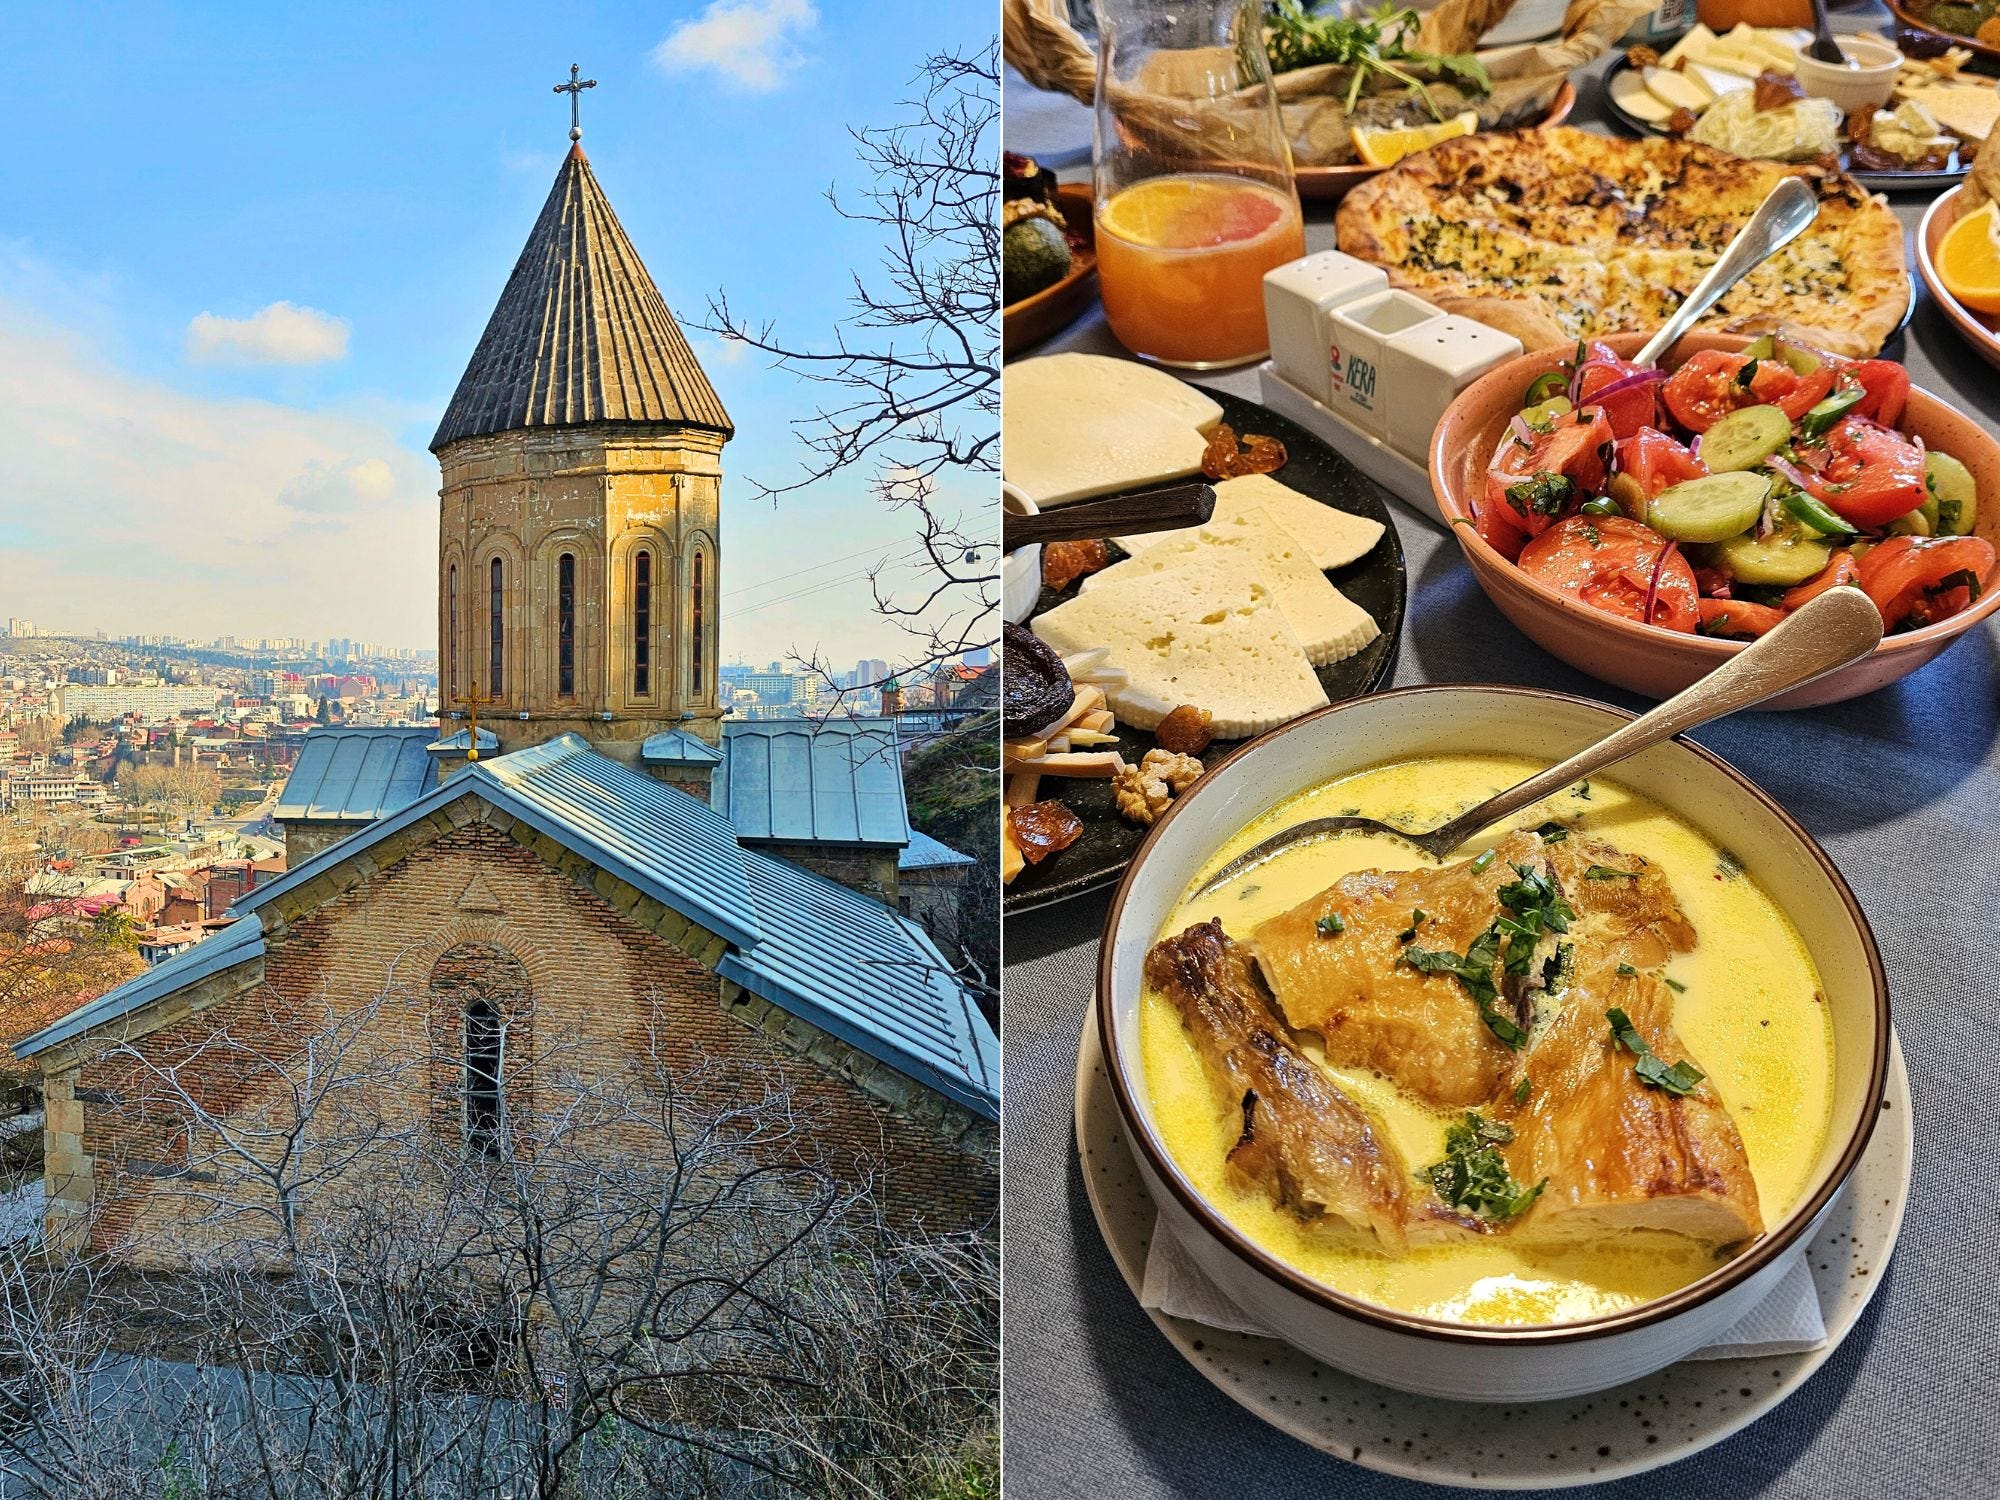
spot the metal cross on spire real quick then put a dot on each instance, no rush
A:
(573, 88)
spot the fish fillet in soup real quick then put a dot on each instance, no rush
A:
(1618, 1152)
(1304, 1142)
(1422, 1030)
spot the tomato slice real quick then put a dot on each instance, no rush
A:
(1840, 570)
(1920, 580)
(1574, 448)
(1737, 617)
(1710, 385)
(1629, 410)
(1887, 385)
(1871, 475)
(1657, 462)
(1611, 563)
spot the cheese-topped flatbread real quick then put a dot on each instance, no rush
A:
(1555, 235)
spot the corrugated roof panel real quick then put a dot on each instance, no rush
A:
(678, 747)
(238, 943)
(351, 775)
(835, 781)
(855, 968)
(927, 853)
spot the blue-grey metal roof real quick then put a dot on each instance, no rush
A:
(927, 853)
(854, 968)
(238, 943)
(352, 775)
(676, 747)
(675, 848)
(488, 740)
(834, 781)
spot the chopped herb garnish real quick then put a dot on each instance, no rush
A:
(1474, 970)
(1964, 578)
(1747, 374)
(1536, 907)
(1583, 790)
(1553, 832)
(1674, 984)
(1482, 864)
(1605, 872)
(1522, 1089)
(1729, 865)
(1474, 1174)
(1626, 971)
(1678, 1079)
(1331, 925)
(1417, 919)
(1545, 493)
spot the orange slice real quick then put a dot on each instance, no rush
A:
(1384, 148)
(1192, 212)
(1968, 260)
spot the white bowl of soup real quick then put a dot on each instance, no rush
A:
(1470, 1189)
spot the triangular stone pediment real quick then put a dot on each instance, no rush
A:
(478, 896)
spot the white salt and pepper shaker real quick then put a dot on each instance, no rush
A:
(1426, 366)
(1298, 296)
(1359, 333)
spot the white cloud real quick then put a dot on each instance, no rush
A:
(749, 42)
(131, 506)
(280, 334)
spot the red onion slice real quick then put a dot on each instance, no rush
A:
(1653, 584)
(1619, 387)
(1789, 470)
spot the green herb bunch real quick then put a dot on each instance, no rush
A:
(1297, 35)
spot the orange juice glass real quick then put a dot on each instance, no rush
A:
(1192, 178)
(1181, 263)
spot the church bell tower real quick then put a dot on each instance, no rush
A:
(579, 539)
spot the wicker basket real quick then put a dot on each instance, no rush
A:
(1046, 50)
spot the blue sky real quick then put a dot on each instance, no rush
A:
(246, 250)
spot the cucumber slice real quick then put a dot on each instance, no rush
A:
(1783, 557)
(1916, 523)
(1957, 494)
(1802, 360)
(1761, 347)
(1745, 438)
(1817, 514)
(1710, 509)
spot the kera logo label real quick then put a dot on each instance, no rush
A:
(1361, 379)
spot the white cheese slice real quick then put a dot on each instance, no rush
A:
(1629, 92)
(1679, 90)
(1329, 625)
(1239, 660)
(1692, 46)
(1331, 538)
(1720, 82)
(1078, 425)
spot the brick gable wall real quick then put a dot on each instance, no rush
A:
(603, 992)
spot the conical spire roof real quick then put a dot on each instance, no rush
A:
(581, 333)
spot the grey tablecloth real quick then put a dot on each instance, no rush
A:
(1903, 789)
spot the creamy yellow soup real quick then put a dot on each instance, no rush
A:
(1751, 1017)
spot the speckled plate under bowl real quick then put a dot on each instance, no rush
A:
(1536, 1446)
(1648, 658)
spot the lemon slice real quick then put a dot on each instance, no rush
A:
(1968, 260)
(1384, 148)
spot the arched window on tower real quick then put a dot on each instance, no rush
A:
(451, 632)
(495, 626)
(642, 624)
(698, 633)
(566, 625)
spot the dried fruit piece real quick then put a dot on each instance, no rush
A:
(1187, 730)
(1065, 562)
(1043, 828)
(1227, 458)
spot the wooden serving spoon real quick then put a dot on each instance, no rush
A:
(1839, 627)
(1169, 508)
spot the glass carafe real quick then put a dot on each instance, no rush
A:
(1193, 179)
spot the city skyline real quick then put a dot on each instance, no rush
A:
(218, 424)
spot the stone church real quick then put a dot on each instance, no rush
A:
(590, 850)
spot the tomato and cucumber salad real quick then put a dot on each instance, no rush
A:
(1717, 498)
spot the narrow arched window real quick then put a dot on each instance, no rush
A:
(451, 632)
(642, 624)
(495, 667)
(485, 1062)
(566, 625)
(699, 632)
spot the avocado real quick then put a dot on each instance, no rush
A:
(1033, 256)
